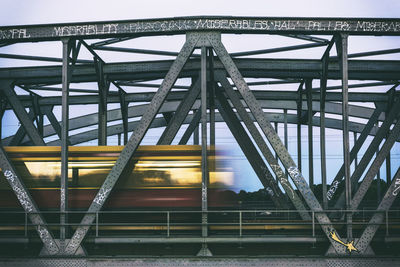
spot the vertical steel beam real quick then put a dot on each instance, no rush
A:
(183, 109)
(204, 158)
(285, 134)
(196, 132)
(250, 151)
(211, 95)
(64, 141)
(124, 113)
(133, 143)
(355, 156)
(104, 87)
(322, 139)
(21, 113)
(310, 134)
(192, 128)
(299, 121)
(342, 47)
(377, 219)
(273, 138)
(272, 161)
(27, 203)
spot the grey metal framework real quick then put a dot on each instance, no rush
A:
(221, 90)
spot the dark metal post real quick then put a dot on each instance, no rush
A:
(211, 96)
(310, 134)
(285, 133)
(64, 142)
(299, 111)
(355, 156)
(196, 136)
(204, 167)
(323, 82)
(342, 46)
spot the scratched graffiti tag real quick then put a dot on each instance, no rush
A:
(19, 190)
(396, 187)
(101, 196)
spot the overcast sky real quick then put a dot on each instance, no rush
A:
(14, 12)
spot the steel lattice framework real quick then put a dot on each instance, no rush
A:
(220, 92)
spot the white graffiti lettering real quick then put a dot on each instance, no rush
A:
(332, 190)
(13, 34)
(396, 187)
(282, 178)
(85, 30)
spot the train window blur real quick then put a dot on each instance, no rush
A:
(152, 167)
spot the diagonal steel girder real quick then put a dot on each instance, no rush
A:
(273, 138)
(181, 112)
(20, 134)
(372, 148)
(378, 217)
(273, 162)
(369, 176)
(27, 203)
(21, 113)
(353, 153)
(190, 129)
(133, 143)
(250, 150)
(375, 166)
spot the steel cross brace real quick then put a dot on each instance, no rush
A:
(250, 151)
(273, 162)
(362, 190)
(20, 112)
(27, 203)
(372, 148)
(273, 138)
(181, 112)
(133, 143)
(20, 134)
(192, 126)
(377, 218)
(47, 110)
(356, 148)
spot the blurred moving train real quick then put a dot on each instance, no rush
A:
(157, 177)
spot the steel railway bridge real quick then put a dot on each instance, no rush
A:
(203, 85)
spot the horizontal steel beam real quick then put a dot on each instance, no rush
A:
(136, 111)
(256, 68)
(172, 96)
(180, 25)
(209, 239)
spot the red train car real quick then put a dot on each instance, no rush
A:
(157, 177)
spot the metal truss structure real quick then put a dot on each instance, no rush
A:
(222, 90)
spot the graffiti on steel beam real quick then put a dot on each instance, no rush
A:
(19, 191)
(396, 187)
(282, 178)
(204, 23)
(85, 29)
(101, 196)
(349, 245)
(332, 190)
(14, 34)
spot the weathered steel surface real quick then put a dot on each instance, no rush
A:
(281, 25)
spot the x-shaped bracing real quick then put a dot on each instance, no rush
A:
(204, 39)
